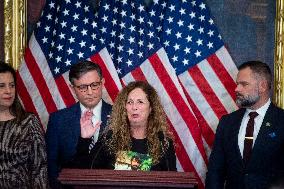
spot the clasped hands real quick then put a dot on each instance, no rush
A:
(87, 128)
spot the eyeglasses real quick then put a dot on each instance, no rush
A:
(93, 86)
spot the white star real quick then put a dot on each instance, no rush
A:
(150, 34)
(150, 23)
(131, 39)
(167, 43)
(185, 62)
(182, 11)
(161, 16)
(201, 18)
(122, 25)
(124, 2)
(102, 40)
(130, 51)
(71, 40)
(94, 24)
(76, 16)
(169, 31)
(112, 33)
(172, 8)
(140, 43)
(186, 50)
(120, 48)
(63, 24)
(199, 42)
(150, 46)
(115, 10)
(51, 5)
(62, 36)
(84, 32)
(189, 38)
(211, 21)
(49, 17)
(201, 30)
(152, 13)
(94, 36)
(197, 53)
(141, 8)
(66, 12)
(191, 26)
(176, 46)
(52, 43)
(170, 19)
(140, 54)
(123, 13)
(78, 4)
(56, 70)
(192, 14)
(141, 31)
(67, 1)
(50, 55)
(47, 28)
(92, 47)
(119, 59)
(80, 55)
(105, 18)
(67, 62)
(106, 6)
(103, 29)
(58, 59)
(129, 62)
(44, 40)
(118, 70)
(164, 4)
(175, 58)
(111, 44)
(86, 21)
(193, 3)
(74, 28)
(60, 47)
(114, 22)
(178, 35)
(82, 43)
(210, 33)
(202, 6)
(159, 28)
(141, 20)
(86, 8)
(70, 51)
(132, 28)
(121, 36)
(132, 16)
(38, 24)
(180, 23)
(210, 45)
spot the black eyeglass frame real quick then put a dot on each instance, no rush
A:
(84, 87)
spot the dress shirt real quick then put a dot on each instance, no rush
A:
(257, 124)
(97, 110)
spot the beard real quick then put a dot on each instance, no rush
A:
(247, 101)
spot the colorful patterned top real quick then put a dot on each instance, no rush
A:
(23, 162)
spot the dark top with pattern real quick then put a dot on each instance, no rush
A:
(23, 162)
(100, 158)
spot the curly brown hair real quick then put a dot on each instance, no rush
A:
(157, 123)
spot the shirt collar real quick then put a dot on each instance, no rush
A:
(262, 110)
(96, 110)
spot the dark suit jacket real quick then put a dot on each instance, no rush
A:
(226, 166)
(63, 132)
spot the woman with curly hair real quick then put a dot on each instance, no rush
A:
(137, 138)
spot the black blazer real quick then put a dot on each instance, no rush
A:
(226, 167)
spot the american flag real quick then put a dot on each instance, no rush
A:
(64, 35)
(130, 38)
(202, 62)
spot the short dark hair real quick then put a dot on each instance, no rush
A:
(259, 68)
(81, 68)
(16, 108)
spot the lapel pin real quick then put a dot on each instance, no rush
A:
(267, 124)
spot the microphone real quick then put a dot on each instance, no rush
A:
(161, 139)
(100, 140)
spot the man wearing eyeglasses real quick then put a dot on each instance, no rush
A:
(86, 119)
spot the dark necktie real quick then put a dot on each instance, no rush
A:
(249, 137)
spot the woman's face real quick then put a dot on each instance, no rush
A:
(7, 90)
(138, 108)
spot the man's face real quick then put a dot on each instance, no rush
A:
(247, 90)
(88, 89)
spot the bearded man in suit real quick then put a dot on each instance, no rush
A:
(248, 151)
(88, 115)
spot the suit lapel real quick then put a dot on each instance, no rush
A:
(105, 115)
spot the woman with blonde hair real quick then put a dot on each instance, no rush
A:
(138, 137)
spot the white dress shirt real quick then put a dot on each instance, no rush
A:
(257, 124)
(95, 118)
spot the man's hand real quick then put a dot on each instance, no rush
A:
(87, 128)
